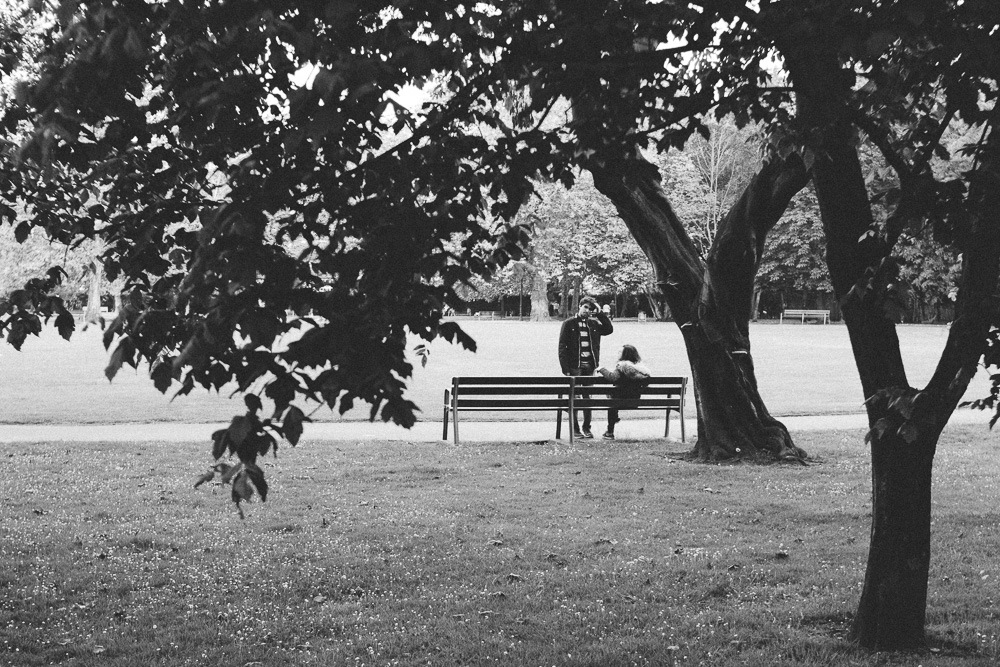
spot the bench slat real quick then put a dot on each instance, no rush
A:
(509, 403)
(561, 391)
(581, 403)
(480, 390)
(554, 379)
(656, 379)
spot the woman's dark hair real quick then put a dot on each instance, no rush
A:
(629, 353)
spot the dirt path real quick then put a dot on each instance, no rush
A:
(422, 432)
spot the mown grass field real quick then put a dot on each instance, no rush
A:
(802, 369)
(488, 554)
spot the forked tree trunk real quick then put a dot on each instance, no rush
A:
(711, 300)
(905, 423)
(891, 612)
(893, 599)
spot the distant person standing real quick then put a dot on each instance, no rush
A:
(580, 350)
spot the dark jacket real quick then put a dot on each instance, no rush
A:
(630, 379)
(569, 340)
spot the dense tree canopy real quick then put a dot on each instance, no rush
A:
(234, 156)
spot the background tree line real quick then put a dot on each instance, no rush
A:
(580, 245)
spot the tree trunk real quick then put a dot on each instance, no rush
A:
(564, 301)
(539, 297)
(654, 305)
(92, 315)
(711, 300)
(520, 297)
(893, 601)
(905, 423)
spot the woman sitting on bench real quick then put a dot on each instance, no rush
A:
(630, 376)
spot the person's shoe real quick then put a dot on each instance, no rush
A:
(587, 433)
(578, 435)
(608, 436)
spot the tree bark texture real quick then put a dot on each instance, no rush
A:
(711, 299)
(891, 612)
(893, 600)
(905, 423)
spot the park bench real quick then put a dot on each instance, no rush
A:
(559, 393)
(804, 315)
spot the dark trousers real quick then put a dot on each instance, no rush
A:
(612, 419)
(630, 390)
(585, 371)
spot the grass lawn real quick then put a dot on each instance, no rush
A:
(802, 369)
(430, 554)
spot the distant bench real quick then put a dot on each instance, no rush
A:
(560, 394)
(804, 315)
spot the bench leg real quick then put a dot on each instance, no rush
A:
(666, 424)
(571, 413)
(444, 420)
(559, 421)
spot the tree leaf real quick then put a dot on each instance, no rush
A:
(22, 231)
(909, 432)
(220, 442)
(265, 443)
(878, 429)
(115, 362)
(282, 392)
(162, 376)
(207, 477)
(239, 429)
(253, 403)
(292, 424)
(256, 476)
(242, 491)
(229, 471)
(65, 324)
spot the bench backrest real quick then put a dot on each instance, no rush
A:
(512, 393)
